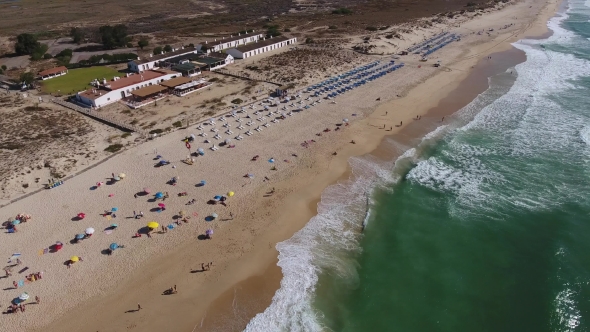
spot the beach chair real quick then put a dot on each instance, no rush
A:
(249, 133)
(214, 130)
(226, 125)
(239, 138)
(239, 120)
(290, 113)
(200, 127)
(211, 122)
(214, 148)
(240, 127)
(217, 136)
(203, 134)
(266, 125)
(258, 129)
(228, 132)
(234, 115)
(275, 121)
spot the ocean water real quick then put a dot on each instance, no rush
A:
(483, 226)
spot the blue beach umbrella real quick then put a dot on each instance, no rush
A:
(79, 236)
(113, 246)
(159, 194)
(114, 209)
(217, 197)
(203, 182)
(16, 222)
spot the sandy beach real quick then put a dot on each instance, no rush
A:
(102, 292)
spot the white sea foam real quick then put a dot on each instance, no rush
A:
(585, 134)
(566, 309)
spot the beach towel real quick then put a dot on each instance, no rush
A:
(171, 226)
(21, 283)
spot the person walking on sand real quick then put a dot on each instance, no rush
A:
(138, 307)
(37, 299)
(134, 195)
(443, 119)
(15, 284)
(134, 215)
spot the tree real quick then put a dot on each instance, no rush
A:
(27, 78)
(47, 56)
(143, 42)
(39, 52)
(4, 67)
(77, 35)
(112, 37)
(25, 44)
(167, 48)
(157, 50)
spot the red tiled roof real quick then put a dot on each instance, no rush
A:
(134, 79)
(53, 71)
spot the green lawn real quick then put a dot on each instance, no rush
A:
(78, 79)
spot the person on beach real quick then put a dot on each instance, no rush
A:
(134, 215)
(175, 289)
(141, 214)
(443, 119)
(15, 284)
(134, 195)
(37, 299)
(138, 307)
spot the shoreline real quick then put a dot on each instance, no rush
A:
(291, 208)
(475, 82)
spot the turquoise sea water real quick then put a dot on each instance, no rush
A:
(484, 226)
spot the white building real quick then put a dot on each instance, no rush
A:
(152, 62)
(218, 45)
(53, 72)
(214, 61)
(106, 92)
(261, 46)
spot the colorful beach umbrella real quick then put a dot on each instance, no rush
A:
(153, 225)
(231, 194)
(16, 222)
(114, 209)
(116, 178)
(159, 194)
(23, 297)
(74, 258)
(79, 236)
(113, 246)
(122, 175)
(214, 215)
(182, 213)
(89, 231)
(162, 205)
(217, 197)
(81, 215)
(146, 190)
(209, 232)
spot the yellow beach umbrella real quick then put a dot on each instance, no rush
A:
(122, 175)
(74, 258)
(230, 194)
(153, 224)
(182, 213)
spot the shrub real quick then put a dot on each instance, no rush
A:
(177, 124)
(156, 131)
(114, 147)
(4, 67)
(371, 28)
(342, 11)
(332, 27)
(237, 101)
(308, 40)
(125, 135)
(47, 56)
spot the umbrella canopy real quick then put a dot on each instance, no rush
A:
(153, 225)
(203, 182)
(227, 140)
(200, 150)
(122, 175)
(217, 197)
(23, 297)
(182, 213)
(209, 232)
(14, 256)
(114, 225)
(230, 194)
(113, 246)
(146, 190)
(114, 209)
(271, 160)
(162, 205)
(79, 236)
(74, 258)
(159, 194)
(81, 215)
(98, 184)
(344, 120)
(89, 231)
(16, 222)
(214, 215)
(117, 178)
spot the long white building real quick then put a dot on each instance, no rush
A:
(218, 45)
(153, 61)
(106, 92)
(261, 46)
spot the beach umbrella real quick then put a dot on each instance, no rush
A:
(159, 194)
(16, 222)
(214, 215)
(227, 140)
(250, 175)
(89, 231)
(271, 160)
(203, 182)
(113, 246)
(116, 178)
(200, 150)
(98, 184)
(74, 258)
(217, 197)
(79, 236)
(14, 256)
(114, 209)
(146, 190)
(23, 297)
(182, 213)
(230, 194)
(153, 225)
(114, 226)
(344, 120)
(81, 215)
(162, 205)
(209, 232)
(122, 175)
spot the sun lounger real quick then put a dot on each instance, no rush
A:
(290, 113)
(258, 129)
(266, 125)
(203, 134)
(217, 136)
(234, 115)
(239, 138)
(228, 132)
(275, 121)
(214, 148)
(214, 130)
(226, 125)
(249, 133)
(240, 127)
(200, 127)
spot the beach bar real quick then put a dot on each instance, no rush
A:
(182, 86)
(145, 96)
